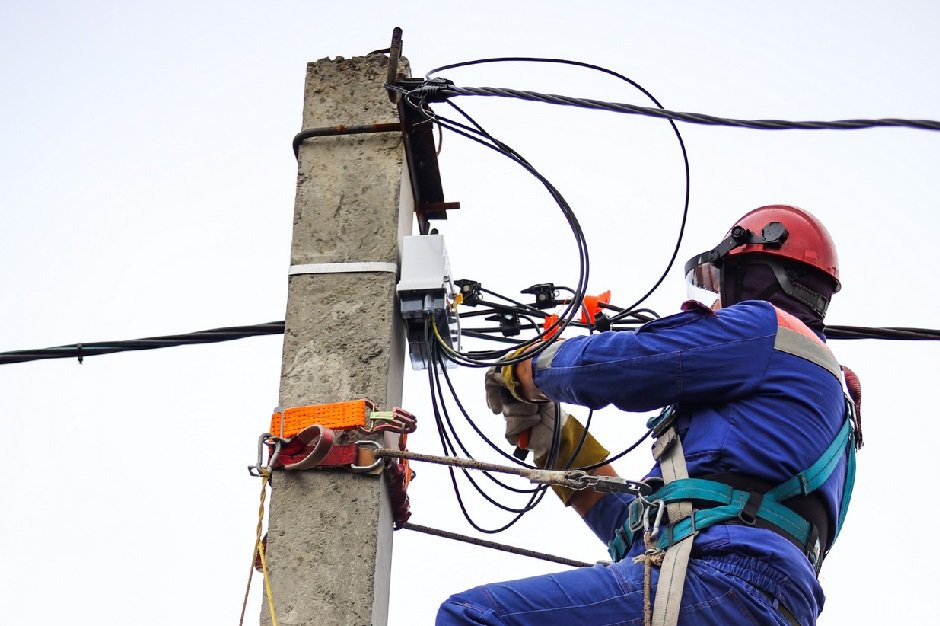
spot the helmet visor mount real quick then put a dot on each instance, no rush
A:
(703, 271)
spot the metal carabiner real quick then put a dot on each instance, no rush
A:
(660, 509)
(266, 439)
(579, 479)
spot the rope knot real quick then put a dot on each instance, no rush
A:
(653, 556)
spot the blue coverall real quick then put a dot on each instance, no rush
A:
(746, 407)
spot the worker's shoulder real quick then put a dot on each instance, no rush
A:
(755, 315)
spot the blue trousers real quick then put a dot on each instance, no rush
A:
(720, 590)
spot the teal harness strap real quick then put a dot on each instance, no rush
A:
(732, 503)
(816, 474)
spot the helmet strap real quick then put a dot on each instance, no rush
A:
(784, 280)
(786, 277)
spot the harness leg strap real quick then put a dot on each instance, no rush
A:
(671, 584)
(671, 457)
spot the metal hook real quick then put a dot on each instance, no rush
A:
(657, 520)
(263, 440)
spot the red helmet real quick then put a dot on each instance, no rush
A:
(777, 230)
(805, 240)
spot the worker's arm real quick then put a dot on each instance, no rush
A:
(694, 356)
(527, 388)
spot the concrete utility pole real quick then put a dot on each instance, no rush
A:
(329, 540)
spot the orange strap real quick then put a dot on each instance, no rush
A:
(286, 423)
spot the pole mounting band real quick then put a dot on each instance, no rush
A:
(343, 268)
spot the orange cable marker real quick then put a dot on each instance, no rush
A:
(591, 306)
(549, 320)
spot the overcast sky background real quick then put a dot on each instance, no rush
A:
(146, 187)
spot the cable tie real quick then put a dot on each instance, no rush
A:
(342, 268)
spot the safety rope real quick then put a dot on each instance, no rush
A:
(574, 479)
(652, 557)
(259, 551)
(494, 545)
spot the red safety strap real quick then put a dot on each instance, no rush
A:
(308, 449)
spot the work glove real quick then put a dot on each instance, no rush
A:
(533, 423)
(538, 420)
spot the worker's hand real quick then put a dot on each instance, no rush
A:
(539, 420)
(536, 419)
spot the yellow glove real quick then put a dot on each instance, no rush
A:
(508, 375)
(591, 452)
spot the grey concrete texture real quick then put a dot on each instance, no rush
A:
(340, 330)
(328, 541)
(330, 531)
(347, 186)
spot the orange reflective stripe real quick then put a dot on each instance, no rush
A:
(785, 320)
(336, 416)
(794, 337)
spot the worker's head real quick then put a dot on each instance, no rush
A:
(777, 253)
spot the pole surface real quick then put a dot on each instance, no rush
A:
(330, 531)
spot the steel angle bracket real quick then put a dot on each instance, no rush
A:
(420, 151)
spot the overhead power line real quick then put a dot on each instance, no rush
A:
(437, 90)
(229, 333)
(82, 350)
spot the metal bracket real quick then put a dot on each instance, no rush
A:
(420, 150)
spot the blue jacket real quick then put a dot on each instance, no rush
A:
(747, 407)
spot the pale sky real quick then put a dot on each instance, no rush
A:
(147, 184)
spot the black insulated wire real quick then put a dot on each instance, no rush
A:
(692, 118)
(444, 89)
(476, 133)
(440, 419)
(231, 333)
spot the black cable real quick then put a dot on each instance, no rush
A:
(450, 425)
(889, 332)
(495, 546)
(536, 496)
(476, 133)
(231, 333)
(476, 428)
(619, 455)
(439, 92)
(84, 350)
(446, 89)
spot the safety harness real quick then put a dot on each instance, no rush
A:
(695, 504)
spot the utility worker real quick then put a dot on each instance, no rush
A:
(754, 452)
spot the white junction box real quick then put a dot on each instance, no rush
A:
(426, 292)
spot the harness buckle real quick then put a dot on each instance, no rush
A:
(748, 514)
(661, 423)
